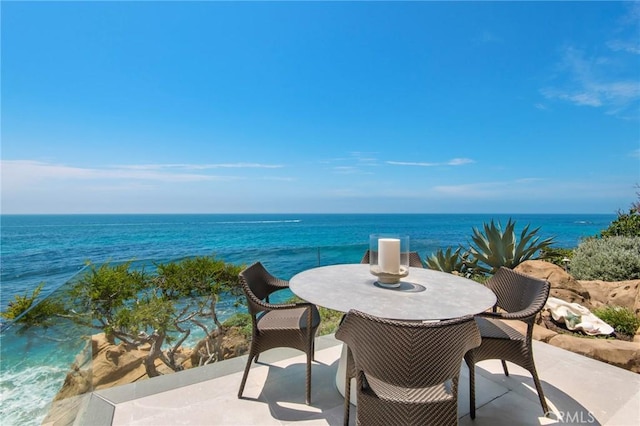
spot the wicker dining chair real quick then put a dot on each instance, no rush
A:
(519, 297)
(277, 325)
(414, 259)
(406, 372)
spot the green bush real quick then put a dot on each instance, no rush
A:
(607, 259)
(626, 225)
(623, 320)
(556, 255)
(240, 320)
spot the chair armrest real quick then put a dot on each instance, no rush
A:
(280, 306)
(520, 315)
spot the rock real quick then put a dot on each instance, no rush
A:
(590, 294)
(563, 285)
(234, 344)
(112, 365)
(621, 293)
(615, 352)
(220, 346)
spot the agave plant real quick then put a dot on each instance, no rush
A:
(495, 248)
(448, 261)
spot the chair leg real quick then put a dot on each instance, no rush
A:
(347, 397)
(536, 381)
(504, 367)
(308, 395)
(472, 388)
(246, 373)
(472, 392)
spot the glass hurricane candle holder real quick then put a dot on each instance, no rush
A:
(389, 258)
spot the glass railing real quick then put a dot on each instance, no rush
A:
(49, 369)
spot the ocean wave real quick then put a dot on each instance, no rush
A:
(26, 394)
(258, 221)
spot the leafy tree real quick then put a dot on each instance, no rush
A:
(24, 310)
(158, 309)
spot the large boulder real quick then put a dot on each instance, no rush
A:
(590, 294)
(621, 293)
(109, 366)
(563, 285)
(615, 352)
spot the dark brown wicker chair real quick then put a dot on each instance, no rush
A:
(406, 371)
(414, 259)
(276, 325)
(519, 297)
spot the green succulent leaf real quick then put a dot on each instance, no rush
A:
(494, 247)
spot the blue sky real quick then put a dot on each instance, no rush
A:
(234, 107)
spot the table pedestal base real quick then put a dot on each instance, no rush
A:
(341, 374)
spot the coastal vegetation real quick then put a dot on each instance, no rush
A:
(613, 258)
(162, 308)
(612, 255)
(28, 310)
(159, 310)
(491, 248)
(622, 319)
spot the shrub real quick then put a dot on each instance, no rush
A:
(623, 320)
(607, 259)
(556, 255)
(241, 321)
(626, 225)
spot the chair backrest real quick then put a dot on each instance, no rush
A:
(408, 353)
(258, 284)
(517, 292)
(414, 259)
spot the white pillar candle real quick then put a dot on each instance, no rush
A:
(389, 255)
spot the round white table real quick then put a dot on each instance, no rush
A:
(424, 295)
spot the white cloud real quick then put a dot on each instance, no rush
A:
(635, 153)
(624, 46)
(606, 80)
(604, 75)
(200, 166)
(25, 174)
(460, 161)
(407, 163)
(452, 162)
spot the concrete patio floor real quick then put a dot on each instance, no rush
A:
(579, 391)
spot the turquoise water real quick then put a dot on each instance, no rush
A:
(53, 248)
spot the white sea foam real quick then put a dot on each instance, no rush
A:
(26, 394)
(262, 221)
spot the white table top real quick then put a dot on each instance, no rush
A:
(424, 294)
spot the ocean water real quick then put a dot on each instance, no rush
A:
(51, 249)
